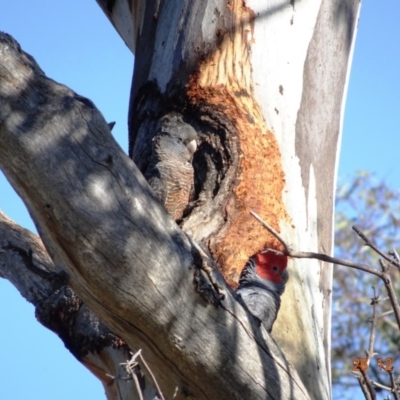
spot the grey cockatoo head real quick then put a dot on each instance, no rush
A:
(261, 285)
(179, 131)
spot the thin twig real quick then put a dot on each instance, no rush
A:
(152, 376)
(391, 292)
(373, 247)
(369, 385)
(129, 368)
(317, 256)
(365, 385)
(382, 300)
(271, 230)
(374, 302)
(380, 386)
(395, 389)
(395, 255)
(338, 261)
(137, 384)
(386, 313)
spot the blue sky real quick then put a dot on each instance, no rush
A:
(75, 44)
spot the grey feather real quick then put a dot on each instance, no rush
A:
(260, 296)
(170, 171)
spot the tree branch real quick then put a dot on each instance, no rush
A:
(92, 343)
(373, 247)
(390, 290)
(374, 301)
(317, 256)
(127, 260)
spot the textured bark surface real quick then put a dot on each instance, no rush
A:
(59, 309)
(208, 78)
(127, 260)
(263, 84)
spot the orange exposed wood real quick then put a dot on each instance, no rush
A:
(224, 82)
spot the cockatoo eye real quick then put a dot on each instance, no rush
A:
(275, 268)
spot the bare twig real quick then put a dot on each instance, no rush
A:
(380, 386)
(390, 290)
(395, 255)
(152, 376)
(382, 300)
(137, 385)
(395, 389)
(130, 369)
(271, 230)
(318, 256)
(369, 385)
(373, 247)
(338, 261)
(395, 386)
(366, 385)
(374, 302)
(130, 366)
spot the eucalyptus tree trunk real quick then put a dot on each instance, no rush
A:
(263, 86)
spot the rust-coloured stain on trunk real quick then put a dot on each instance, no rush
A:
(224, 79)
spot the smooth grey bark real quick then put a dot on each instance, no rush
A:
(126, 259)
(318, 133)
